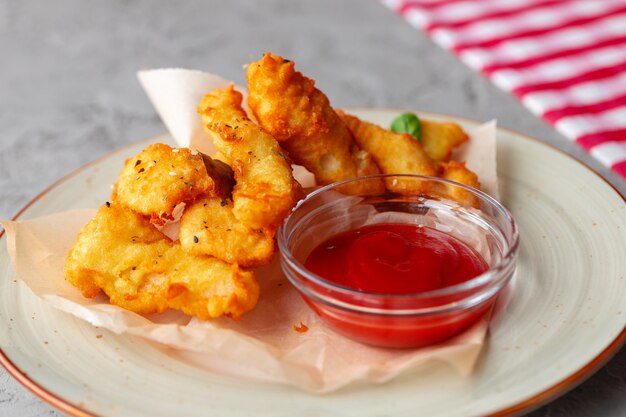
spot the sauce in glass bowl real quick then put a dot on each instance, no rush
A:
(405, 267)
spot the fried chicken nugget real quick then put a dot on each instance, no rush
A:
(440, 138)
(210, 227)
(158, 178)
(395, 153)
(299, 116)
(141, 270)
(265, 190)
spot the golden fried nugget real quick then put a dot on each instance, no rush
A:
(299, 116)
(141, 270)
(395, 153)
(158, 178)
(457, 171)
(265, 190)
(209, 227)
(440, 138)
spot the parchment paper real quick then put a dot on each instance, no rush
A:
(263, 346)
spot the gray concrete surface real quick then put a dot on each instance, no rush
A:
(68, 95)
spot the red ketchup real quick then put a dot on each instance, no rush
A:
(396, 259)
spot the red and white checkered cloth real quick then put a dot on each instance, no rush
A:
(564, 59)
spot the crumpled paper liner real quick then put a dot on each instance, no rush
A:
(263, 346)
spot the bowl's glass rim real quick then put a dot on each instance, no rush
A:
(489, 275)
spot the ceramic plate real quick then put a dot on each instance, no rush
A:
(567, 315)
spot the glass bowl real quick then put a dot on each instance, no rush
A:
(400, 320)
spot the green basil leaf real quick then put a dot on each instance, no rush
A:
(408, 123)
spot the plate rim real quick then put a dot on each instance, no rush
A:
(526, 405)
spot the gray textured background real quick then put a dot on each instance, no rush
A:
(68, 95)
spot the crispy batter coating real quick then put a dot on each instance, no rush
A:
(440, 138)
(457, 171)
(141, 270)
(299, 116)
(158, 178)
(265, 190)
(364, 162)
(210, 227)
(395, 153)
(398, 153)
